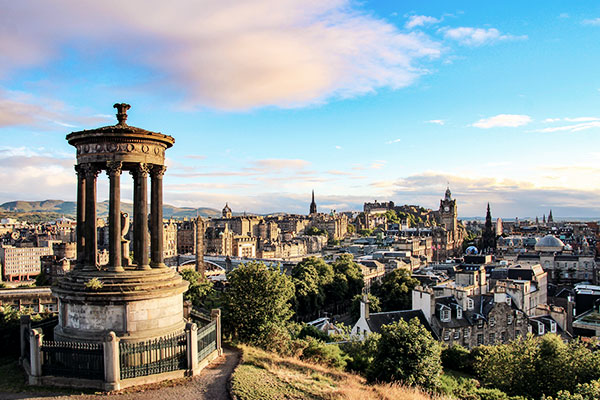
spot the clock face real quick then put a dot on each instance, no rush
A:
(446, 208)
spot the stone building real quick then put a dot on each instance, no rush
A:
(21, 263)
(186, 237)
(448, 235)
(219, 241)
(169, 239)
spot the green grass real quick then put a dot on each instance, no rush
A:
(13, 379)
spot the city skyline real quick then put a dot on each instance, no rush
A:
(356, 101)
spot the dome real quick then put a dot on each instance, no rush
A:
(549, 243)
(472, 250)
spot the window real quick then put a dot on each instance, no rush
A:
(517, 333)
(509, 320)
(470, 304)
(492, 321)
(445, 315)
(552, 326)
(466, 333)
(446, 335)
(492, 338)
(458, 312)
(457, 334)
(541, 329)
(479, 339)
(503, 336)
(480, 323)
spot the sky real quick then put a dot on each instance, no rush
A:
(270, 99)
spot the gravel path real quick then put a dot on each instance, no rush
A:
(211, 384)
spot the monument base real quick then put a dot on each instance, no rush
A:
(136, 305)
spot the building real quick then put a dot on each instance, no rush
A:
(22, 263)
(449, 235)
(169, 239)
(313, 205)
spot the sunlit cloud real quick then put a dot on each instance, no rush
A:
(219, 54)
(503, 121)
(420, 20)
(571, 128)
(394, 141)
(469, 36)
(592, 21)
(436, 121)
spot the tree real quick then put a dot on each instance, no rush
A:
(314, 231)
(374, 305)
(199, 289)
(407, 353)
(310, 277)
(347, 279)
(395, 290)
(392, 217)
(257, 301)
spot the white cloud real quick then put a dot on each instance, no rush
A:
(224, 53)
(393, 141)
(550, 120)
(593, 21)
(436, 121)
(571, 128)
(582, 119)
(469, 36)
(420, 20)
(503, 121)
(338, 147)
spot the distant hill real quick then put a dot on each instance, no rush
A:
(69, 208)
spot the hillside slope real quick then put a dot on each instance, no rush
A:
(265, 376)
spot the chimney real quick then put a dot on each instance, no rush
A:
(364, 307)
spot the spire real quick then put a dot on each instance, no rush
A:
(313, 205)
(550, 219)
(448, 193)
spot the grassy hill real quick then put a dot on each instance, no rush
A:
(265, 376)
(69, 208)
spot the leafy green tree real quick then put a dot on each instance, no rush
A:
(256, 302)
(42, 279)
(395, 290)
(407, 353)
(374, 305)
(351, 228)
(361, 353)
(347, 279)
(585, 391)
(199, 288)
(392, 217)
(323, 353)
(310, 277)
(535, 367)
(314, 231)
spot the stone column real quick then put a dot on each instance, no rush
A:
(140, 216)
(114, 169)
(156, 212)
(199, 237)
(35, 363)
(215, 315)
(91, 236)
(80, 217)
(112, 366)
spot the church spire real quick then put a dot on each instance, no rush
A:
(313, 205)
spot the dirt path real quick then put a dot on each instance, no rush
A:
(210, 385)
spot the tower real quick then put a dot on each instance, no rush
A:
(488, 239)
(226, 211)
(448, 213)
(199, 234)
(550, 219)
(313, 205)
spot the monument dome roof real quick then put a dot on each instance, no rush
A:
(549, 243)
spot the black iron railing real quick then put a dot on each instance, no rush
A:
(153, 356)
(73, 359)
(207, 340)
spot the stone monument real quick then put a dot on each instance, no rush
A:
(138, 299)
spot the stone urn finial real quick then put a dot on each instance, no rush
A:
(122, 112)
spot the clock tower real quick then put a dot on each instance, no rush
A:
(448, 212)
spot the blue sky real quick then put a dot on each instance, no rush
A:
(267, 100)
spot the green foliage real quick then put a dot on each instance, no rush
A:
(309, 330)
(351, 228)
(536, 366)
(467, 388)
(374, 305)
(256, 302)
(365, 232)
(585, 391)
(94, 284)
(395, 290)
(322, 353)
(314, 231)
(361, 353)
(457, 358)
(347, 279)
(392, 217)
(199, 288)
(42, 279)
(310, 278)
(406, 352)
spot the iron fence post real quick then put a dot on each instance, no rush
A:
(35, 343)
(112, 373)
(191, 334)
(215, 315)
